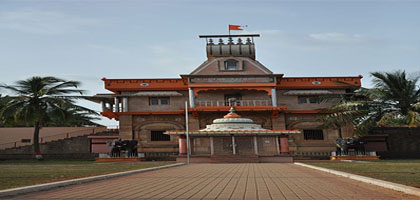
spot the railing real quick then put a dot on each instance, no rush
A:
(60, 136)
(311, 153)
(206, 103)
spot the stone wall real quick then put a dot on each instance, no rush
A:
(141, 104)
(144, 125)
(291, 101)
(70, 148)
(317, 148)
(401, 142)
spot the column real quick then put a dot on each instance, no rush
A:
(277, 145)
(192, 97)
(117, 104)
(284, 144)
(103, 106)
(274, 96)
(125, 104)
(233, 145)
(211, 146)
(255, 145)
(182, 143)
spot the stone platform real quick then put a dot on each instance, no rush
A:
(354, 157)
(118, 159)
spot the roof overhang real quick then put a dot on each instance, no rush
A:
(308, 92)
(235, 132)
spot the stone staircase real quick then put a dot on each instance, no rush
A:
(249, 158)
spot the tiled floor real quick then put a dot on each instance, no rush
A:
(224, 181)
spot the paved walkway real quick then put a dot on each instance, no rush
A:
(224, 181)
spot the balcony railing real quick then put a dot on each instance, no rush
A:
(205, 103)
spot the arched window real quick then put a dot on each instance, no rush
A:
(231, 65)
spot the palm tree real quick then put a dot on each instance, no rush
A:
(72, 116)
(39, 99)
(394, 101)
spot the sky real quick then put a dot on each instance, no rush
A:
(86, 40)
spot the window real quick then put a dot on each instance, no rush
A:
(308, 99)
(159, 136)
(231, 65)
(313, 134)
(301, 100)
(237, 97)
(159, 101)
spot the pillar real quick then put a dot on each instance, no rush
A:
(182, 143)
(117, 104)
(277, 145)
(125, 104)
(103, 106)
(192, 97)
(274, 96)
(233, 145)
(255, 145)
(211, 146)
(284, 144)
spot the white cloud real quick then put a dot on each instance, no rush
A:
(43, 22)
(340, 37)
(106, 48)
(317, 41)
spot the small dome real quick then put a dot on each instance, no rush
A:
(233, 121)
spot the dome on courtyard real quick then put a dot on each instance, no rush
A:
(232, 121)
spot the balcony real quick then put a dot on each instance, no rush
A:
(222, 103)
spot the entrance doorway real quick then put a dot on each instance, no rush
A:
(223, 145)
(244, 145)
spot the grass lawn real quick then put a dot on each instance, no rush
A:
(29, 172)
(405, 172)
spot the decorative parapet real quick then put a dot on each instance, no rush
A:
(228, 47)
(318, 82)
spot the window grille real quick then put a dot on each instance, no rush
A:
(313, 134)
(159, 101)
(159, 136)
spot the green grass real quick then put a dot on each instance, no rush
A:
(405, 172)
(30, 172)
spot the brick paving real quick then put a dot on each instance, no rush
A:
(224, 181)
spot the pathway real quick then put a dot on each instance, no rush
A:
(224, 181)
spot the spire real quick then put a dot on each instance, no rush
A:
(232, 114)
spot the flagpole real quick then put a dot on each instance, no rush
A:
(187, 132)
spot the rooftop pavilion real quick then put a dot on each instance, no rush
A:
(228, 47)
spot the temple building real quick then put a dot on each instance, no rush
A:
(279, 113)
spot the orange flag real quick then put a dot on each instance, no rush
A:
(235, 28)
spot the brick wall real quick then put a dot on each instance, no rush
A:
(71, 148)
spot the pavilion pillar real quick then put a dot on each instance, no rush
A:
(274, 96)
(117, 104)
(284, 144)
(103, 106)
(211, 146)
(277, 145)
(233, 145)
(192, 97)
(255, 145)
(125, 104)
(182, 143)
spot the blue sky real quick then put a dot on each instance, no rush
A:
(88, 40)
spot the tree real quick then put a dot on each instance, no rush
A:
(40, 100)
(394, 101)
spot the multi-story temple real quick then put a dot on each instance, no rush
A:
(148, 108)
